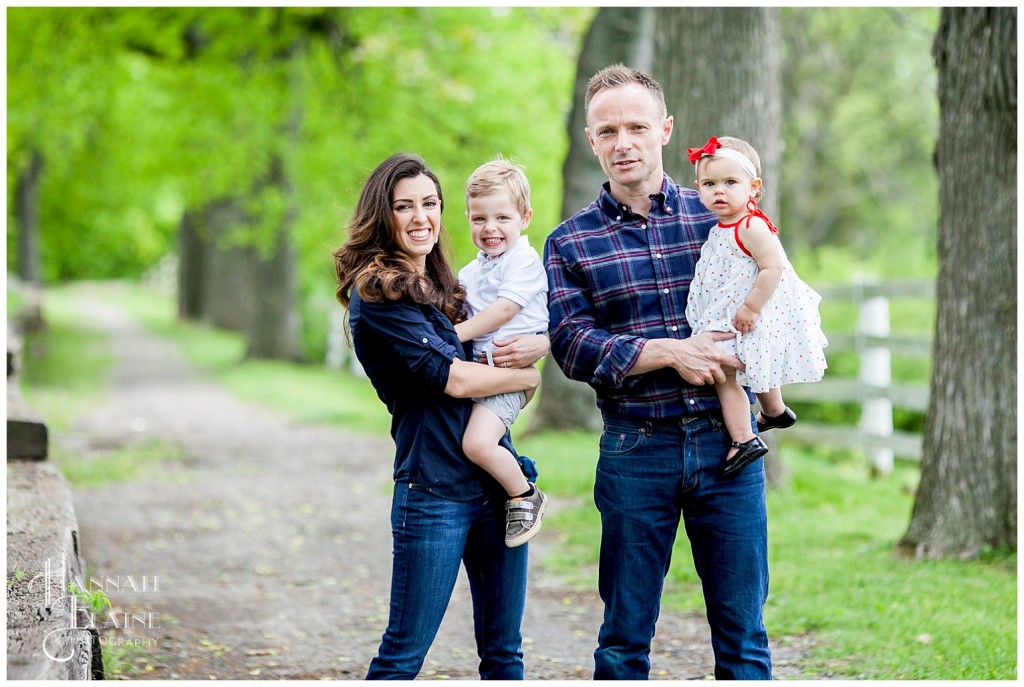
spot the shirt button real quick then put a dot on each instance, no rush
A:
(643, 226)
(658, 255)
(674, 328)
(424, 339)
(618, 218)
(665, 291)
(692, 402)
(668, 210)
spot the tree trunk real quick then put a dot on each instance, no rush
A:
(27, 210)
(617, 34)
(228, 268)
(274, 330)
(190, 266)
(967, 497)
(30, 269)
(721, 68)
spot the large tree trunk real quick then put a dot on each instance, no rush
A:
(214, 269)
(275, 327)
(30, 269)
(721, 68)
(617, 34)
(228, 264)
(967, 497)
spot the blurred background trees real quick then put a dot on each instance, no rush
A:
(220, 151)
(227, 145)
(234, 141)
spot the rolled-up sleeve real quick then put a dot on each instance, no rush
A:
(584, 351)
(407, 330)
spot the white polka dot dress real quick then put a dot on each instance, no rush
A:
(787, 344)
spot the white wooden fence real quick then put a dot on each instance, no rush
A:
(873, 388)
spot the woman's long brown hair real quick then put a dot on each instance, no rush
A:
(370, 261)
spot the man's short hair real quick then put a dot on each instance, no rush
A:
(621, 75)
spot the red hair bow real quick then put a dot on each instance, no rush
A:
(709, 149)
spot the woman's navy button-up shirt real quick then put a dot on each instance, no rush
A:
(407, 351)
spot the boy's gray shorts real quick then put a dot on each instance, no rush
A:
(505, 406)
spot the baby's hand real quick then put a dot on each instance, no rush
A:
(744, 320)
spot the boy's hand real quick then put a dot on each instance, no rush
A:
(745, 319)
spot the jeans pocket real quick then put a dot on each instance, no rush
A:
(620, 441)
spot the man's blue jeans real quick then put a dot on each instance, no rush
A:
(647, 475)
(432, 536)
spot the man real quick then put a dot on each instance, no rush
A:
(619, 273)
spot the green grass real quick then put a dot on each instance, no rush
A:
(151, 458)
(65, 373)
(834, 570)
(65, 368)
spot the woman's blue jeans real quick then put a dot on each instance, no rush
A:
(649, 474)
(432, 536)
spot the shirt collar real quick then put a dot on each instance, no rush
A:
(664, 200)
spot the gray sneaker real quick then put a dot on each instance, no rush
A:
(523, 518)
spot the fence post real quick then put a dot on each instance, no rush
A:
(875, 372)
(335, 338)
(339, 353)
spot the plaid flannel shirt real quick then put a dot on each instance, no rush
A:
(617, 279)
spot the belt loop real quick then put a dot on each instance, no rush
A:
(648, 429)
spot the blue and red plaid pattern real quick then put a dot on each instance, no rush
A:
(617, 279)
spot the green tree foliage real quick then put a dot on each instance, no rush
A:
(144, 113)
(860, 119)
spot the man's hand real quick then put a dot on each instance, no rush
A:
(520, 351)
(698, 359)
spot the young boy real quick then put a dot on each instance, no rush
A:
(506, 296)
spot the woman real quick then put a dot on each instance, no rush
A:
(402, 299)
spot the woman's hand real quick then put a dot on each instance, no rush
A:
(532, 391)
(520, 351)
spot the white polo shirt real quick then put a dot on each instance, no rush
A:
(518, 275)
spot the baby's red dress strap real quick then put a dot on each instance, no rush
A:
(753, 211)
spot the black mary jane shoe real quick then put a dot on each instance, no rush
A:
(786, 419)
(749, 451)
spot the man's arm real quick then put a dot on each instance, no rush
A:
(698, 360)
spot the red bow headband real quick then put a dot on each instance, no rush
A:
(713, 148)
